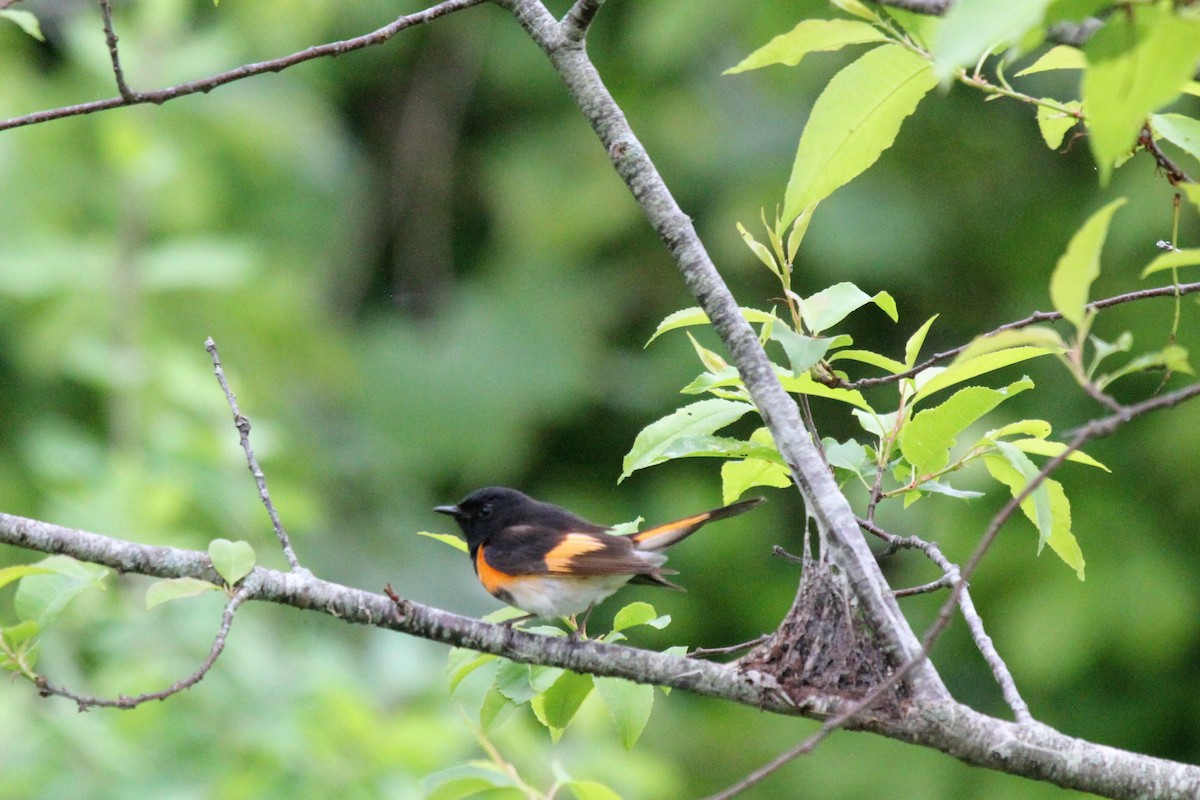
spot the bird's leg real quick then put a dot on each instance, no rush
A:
(508, 623)
(580, 631)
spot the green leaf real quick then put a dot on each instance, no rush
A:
(810, 36)
(1172, 357)
(960, 371)
(1040, 447)
(590, 790)
(698, 419)
(1054, 124)
(856, 118)
(1059, 57)
(1037, 428)
(938, 487)
(556, 707)
(629, 704)
(446, 538)
(1181, 131)
(799, 229)
(167, 589)
(1173, 260)
(495, 709)
(760, 250)
(805, 384)
(232, 560)
(520, 682)
(1052, 504)
(856, 8)
(25, 21)
(638, 613)
(738, 477)
(889, 365)
(1080, 265)
(716, 447)
(1136, 64)
(803, 352)
(830, 306)
(41, 597)
(1192, 192)
(465, 780)
(927, 439)
(711, 361)
(695, 316)
(461, 663)
(10, 574)
(912, 348)
(973, 28)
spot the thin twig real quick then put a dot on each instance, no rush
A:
(110, 36)
(733, 648)
(330, 49)
(932, 7)
(1032, 319)
(1175, 174)
(579, 19)
(242, 423)
(944, 582)
(46, 689)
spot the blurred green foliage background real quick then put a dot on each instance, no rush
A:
(424, 276)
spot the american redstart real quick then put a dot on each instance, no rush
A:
(549, 562)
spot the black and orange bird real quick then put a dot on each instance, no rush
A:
(549, 562)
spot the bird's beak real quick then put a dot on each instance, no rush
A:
(453, 511)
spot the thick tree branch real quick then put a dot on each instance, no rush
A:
(842, 542)
(1033, 750)
(331, 49)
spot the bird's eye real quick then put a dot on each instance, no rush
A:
(486, 511)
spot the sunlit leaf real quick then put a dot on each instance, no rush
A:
(1054, 124)
(1136, 64)
(10, 574)
(972, 28)
(556, 707)
(759, 249)
(803, 352)
(1058, 57)
(805, 384)
(232, 560)
(856, 118)
(1080, 265)
(810, 36)
(446, 538)
(696, 316)
(1040, 447)
(1047, 507)
(698, 419)
(912, 348)
(960, 371)
(1181, 131)
(927, 439)
(889, 365)
(590, 790)
(739, 476)
(25, 21)
(830, 306)
(1173, 259)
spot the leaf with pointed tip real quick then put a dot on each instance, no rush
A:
(810, 36)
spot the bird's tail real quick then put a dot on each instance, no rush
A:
(663, 536)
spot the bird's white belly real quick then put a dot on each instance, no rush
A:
(552, 596)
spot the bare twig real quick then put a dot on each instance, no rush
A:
(110, 37)
(579, 19)
(931, 7)
(46, 689)
(330, 49)
(733, 648)
(1175, 174)
(242, 423)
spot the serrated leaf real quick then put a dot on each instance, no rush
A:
(695, 316)
(810, 36)
(927, 439)
(959, 372)
(629, 704)
(1058, 57)
(446, 538)
(557, 706)
(232, 560)
(25, 21)
(1079, 266)
(856, 118)
(698, 419)
(1053, 124)
(1174, 259)
(1137, 63)
(972, 28)
(1053, 503)
(1181, 131)
(830, 306)
(167, 589)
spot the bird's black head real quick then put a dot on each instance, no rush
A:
(483, 512)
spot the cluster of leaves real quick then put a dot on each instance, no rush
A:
(554, 696)
(1140, 60)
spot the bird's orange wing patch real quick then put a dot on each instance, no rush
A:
(573, 545)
